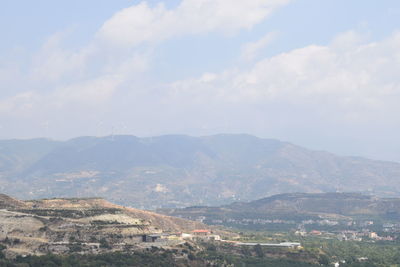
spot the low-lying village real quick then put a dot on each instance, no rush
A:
(345, 230)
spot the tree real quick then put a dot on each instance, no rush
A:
(104, 243)
(324, 260)
(259, 251)
(2, 256)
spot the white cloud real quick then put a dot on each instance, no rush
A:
(142, 23)
(53, 63)
(89, 73)
(251, 50)
(356, 82)
(20, 104)
(91, 92)
(348, 40)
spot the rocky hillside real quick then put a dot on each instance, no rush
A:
(7, 202)
(180, 171)
(74, 225)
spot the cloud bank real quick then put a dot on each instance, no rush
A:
(348, 87)
(140, 23)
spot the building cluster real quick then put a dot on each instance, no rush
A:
(196, 235)
(246, 221)
(391, 227)
(292, 245)
(347, 235)
(322, 222)
(134, 241)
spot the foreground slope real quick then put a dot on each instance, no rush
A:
(178, 171)
(73, 225)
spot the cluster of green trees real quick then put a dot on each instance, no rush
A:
(210, 256)
(317, 252)
(380, 254)
(369, 253)
(108, 259)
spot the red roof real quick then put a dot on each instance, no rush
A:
(201, 231)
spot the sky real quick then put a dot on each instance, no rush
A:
(320, 74)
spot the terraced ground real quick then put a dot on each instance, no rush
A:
(78, 225)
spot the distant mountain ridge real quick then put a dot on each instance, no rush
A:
(345, 204)
(298, 205)
(179, 170)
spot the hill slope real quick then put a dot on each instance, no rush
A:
(7, 202)
(178, 171)
(72, 225)
(298, 207)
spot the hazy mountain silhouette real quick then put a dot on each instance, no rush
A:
(178, 170)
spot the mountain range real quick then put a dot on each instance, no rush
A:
(180, 171)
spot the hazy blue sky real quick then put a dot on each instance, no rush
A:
(322, 74)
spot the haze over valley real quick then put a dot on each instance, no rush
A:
(200, 133)
(181, 171)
